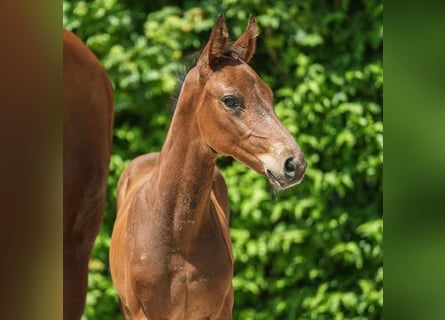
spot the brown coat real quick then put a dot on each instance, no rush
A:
(87, 133)
(171, 255)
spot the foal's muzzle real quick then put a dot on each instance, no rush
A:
(291, 172)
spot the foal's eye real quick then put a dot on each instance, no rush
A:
(231, 102)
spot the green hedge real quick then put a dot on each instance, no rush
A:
(314, 251)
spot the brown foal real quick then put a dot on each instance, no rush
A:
(87, 128)
(171, 254)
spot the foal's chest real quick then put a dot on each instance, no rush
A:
(202, 284)
(179, 283)
(185, 275)
(187, 287)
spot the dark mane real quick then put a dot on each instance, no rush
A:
(180, 76)
(230, 53)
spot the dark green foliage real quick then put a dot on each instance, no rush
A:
(312, 252)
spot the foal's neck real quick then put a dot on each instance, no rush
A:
(185, 175)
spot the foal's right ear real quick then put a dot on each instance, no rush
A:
(245, 45)
(217, 44)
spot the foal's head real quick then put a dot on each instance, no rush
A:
(235, 112)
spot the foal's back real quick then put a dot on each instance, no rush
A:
(140, 170)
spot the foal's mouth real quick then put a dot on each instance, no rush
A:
(274, 180)
(279, 181)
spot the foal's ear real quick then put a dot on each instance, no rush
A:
(217, 44)
(245, 45)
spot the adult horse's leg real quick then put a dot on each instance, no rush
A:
(74, 282)
(75, 278)
(83, 212)
(87, 126)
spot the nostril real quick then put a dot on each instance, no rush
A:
(289, 167)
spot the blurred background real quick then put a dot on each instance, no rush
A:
(314, 251)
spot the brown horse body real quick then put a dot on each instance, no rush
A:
(171, 255)
(87, 125)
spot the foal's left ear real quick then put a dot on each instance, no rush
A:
(245, 45)
(217, 44)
